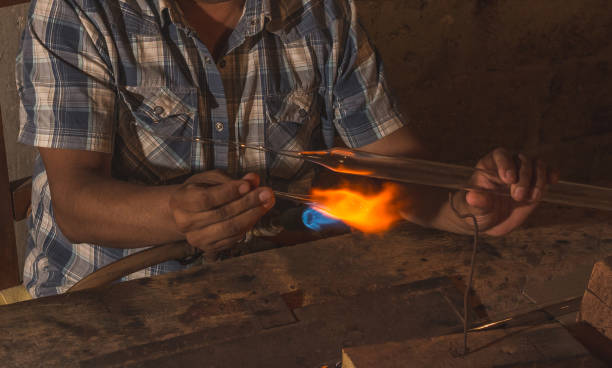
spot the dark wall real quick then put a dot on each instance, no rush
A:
(532, 75)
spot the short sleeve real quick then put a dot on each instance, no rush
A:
(66, 89)
(364, 108)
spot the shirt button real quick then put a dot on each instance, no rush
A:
(222, 63)
(219, 126)
(303, 113)
(158, 110)
(207, 60)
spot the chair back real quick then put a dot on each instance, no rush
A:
(9, 266)
(14, 206)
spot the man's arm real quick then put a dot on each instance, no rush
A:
(91, 206)
(428, 205)
(497, 215)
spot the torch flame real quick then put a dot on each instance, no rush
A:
(370, 213)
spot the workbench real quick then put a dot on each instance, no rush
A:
(299, 306)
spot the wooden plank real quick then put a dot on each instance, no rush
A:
(314, 339)
(94, 323)
(596, 308)
(4, 3)
(9, 268)
(543, 346)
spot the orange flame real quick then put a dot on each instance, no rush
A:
(370, 213)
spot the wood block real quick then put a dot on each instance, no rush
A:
(14, 295)
(596, 308)
(543, 346)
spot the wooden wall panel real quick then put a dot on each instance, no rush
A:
(11, 2)
(9, 269)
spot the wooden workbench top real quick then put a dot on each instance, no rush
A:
(308, 300)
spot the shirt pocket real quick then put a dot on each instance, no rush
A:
(164, 112)
(293, 124)
(164, 122)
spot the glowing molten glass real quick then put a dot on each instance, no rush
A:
(370, 213)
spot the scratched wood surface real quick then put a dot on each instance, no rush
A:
(545, 346)
(317, 297)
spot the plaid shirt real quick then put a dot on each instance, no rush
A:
(118, 76)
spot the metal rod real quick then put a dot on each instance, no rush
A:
(299, 198)
(466, 297)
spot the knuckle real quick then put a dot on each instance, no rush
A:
(221, 212)
(251, 200)
(229, 189)
(500, 152)
(182, 220)
(197, 239)
(196, 178)
(191, 190)
(234, 187)
(219, 175)
(192, 239)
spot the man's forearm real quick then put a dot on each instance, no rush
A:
(109, 212)
(430, 207)
(426, 206)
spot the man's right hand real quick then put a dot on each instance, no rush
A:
(214, 212)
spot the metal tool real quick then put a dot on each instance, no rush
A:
(544, 314)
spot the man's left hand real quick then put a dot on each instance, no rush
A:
(526, 180)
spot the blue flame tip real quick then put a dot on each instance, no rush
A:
(318, 222)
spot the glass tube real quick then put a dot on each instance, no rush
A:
(431, 173)
(450, 176)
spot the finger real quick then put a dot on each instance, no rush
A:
(506, 168)
(225, 244)
(517, 217)
(226, 229)
(194, 197)
(541, 180)
(253, 179)
(211, 250)
(553, 176)
(190, 221)
(520, 190)
(479, 201)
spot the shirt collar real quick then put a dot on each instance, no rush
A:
(259, 14)
(170, 11)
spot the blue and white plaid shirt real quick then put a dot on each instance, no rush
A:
(113, 76)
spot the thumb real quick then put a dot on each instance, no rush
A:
(478, 203)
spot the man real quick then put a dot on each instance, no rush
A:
(114, 92)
